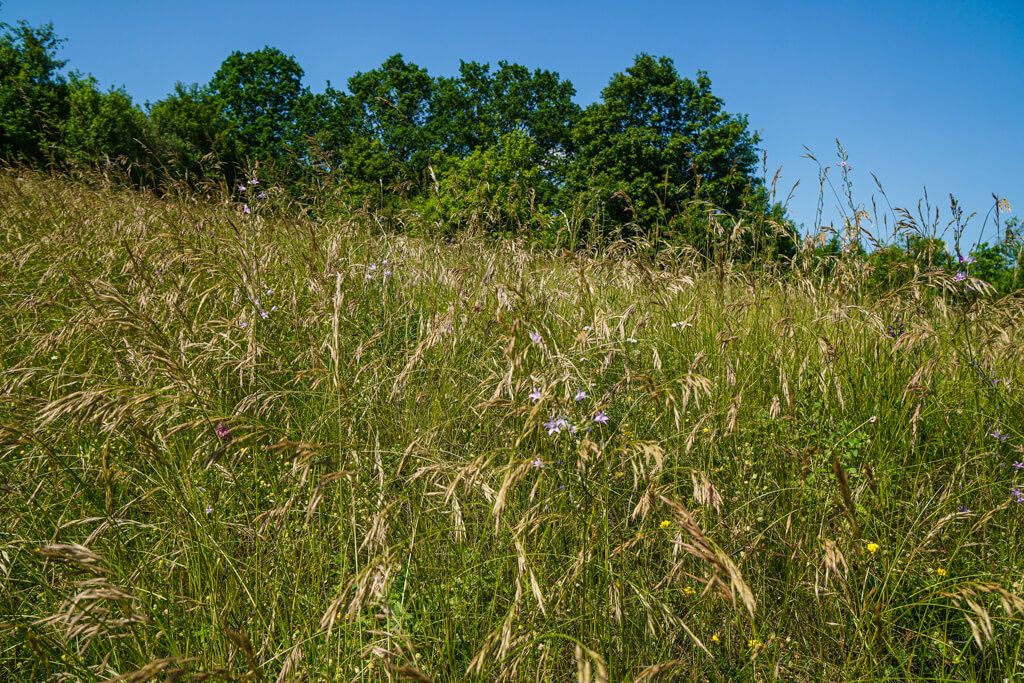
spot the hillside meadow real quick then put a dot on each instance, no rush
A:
(294, 445)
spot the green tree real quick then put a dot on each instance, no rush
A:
(657, 141)
(995, 264)
(462, 110)
(258, 92)
(326, 127)
(493, 190)
(475, 109)
(33, 93)
(889, 267)
(394, 143)
(928, 252)
(190, 133)
(102, 126)
(1013, 248)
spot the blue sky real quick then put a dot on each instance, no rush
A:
(923, 95)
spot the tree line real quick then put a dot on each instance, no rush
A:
(501, 149)
(654, 155)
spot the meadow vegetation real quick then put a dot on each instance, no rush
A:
(247, 439)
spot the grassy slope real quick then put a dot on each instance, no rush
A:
(382, 497)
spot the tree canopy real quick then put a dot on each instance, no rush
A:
(257, 92)
(656, 144)
(658, 141)
(33, 93)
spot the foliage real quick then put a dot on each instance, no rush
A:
(102, 126)
(326, 125)
(33, 93)
(191, 133)
(1013, 250)
(657, 142)
(658, 162)
(930, 252)
(891, 267)
(394, 140)
(493, 190)
(995, 264)
(472, 111)
(258, 92)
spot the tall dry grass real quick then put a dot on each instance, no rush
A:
(274, 447)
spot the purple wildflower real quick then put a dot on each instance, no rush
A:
(960, 277)
(209, 509)
(243, 324)
(999, 435)
(538, 464)
(264, 315)
(580, 395)
(557, 424)
(536, 338)
(241, 188)
(1018, 495)
(962, 508)
(262, 195)
(967, 260)
(222, 431)
(1019, 465)
(601, 417)
(535, 395)
(245, 209)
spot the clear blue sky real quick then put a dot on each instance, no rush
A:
(922, 94)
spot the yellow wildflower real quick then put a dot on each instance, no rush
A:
(666, 524)
(715, 638)
(873, 548)
(940, 571)
(754, 643)
(690, 590)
